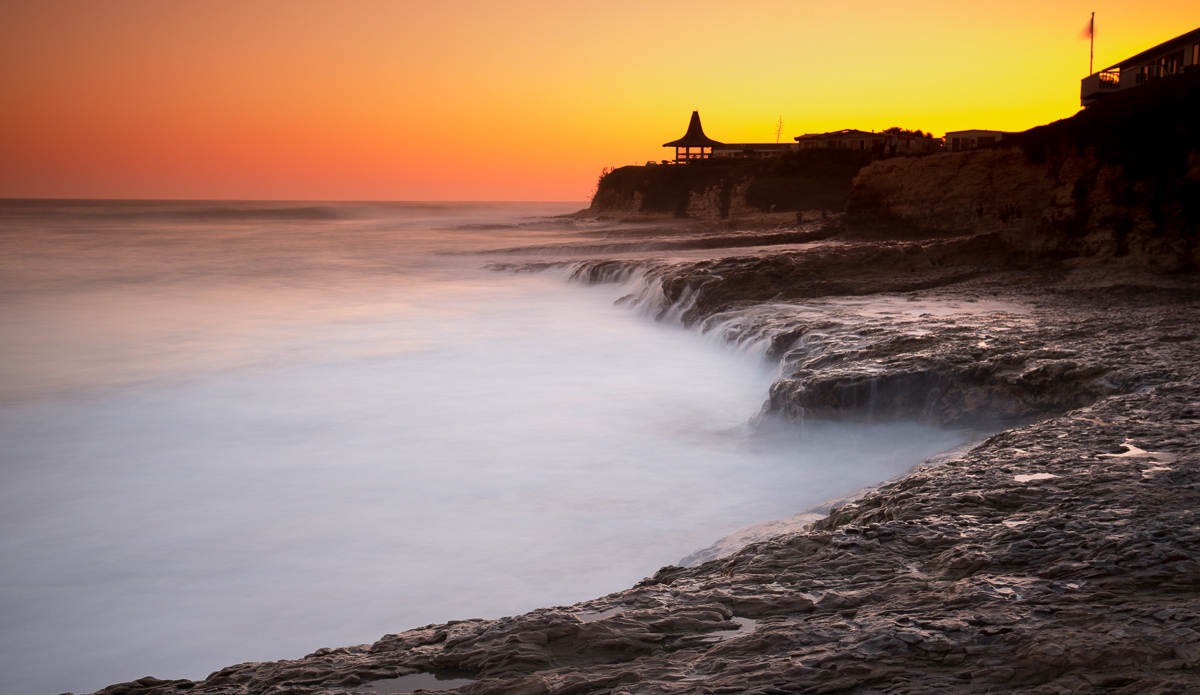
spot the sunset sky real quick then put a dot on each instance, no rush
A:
(518, 100)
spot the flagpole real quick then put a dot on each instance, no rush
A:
(1092, 47)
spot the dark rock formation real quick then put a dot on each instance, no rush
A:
(990, 365)
(707, 188)
(842, 269)
(723, 188)
(952, 192)
(1116, 183)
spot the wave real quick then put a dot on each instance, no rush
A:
(703, 243)
(754, 331)
(173, 211)
(536, 223)
(405, 213)
(250, 214)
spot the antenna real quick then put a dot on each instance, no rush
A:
(779, 130)
(1092, 47)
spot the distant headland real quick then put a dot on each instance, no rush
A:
(1136, 132)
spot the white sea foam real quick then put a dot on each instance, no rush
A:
(245, 432)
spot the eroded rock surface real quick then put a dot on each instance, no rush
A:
(997, 362)
(1103, 186)
(954, 191)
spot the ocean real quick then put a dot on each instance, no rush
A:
(236, 431)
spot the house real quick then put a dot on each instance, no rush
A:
(958, 140)
(694, 137)
(849, 139)
(752, 150)
(1180, 54)
(882, 143)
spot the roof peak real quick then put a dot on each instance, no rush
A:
(695, 136)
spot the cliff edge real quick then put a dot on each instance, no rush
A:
(723, 188)
(1116, 183)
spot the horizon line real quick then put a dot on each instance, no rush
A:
(4, 199)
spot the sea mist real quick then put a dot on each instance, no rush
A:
(241, 432)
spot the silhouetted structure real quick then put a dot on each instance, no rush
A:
(695, 138)
(957, 140)
(1168, 58)
(881, 143)
(848, 139)
(752, 150)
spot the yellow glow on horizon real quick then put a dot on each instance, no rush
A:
(527, 100)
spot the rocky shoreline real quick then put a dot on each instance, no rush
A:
(1045, 289)
(1059, 556)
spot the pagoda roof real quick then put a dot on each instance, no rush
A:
(695, 136)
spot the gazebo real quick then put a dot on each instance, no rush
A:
(694, 139)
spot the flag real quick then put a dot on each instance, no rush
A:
(1089, 29)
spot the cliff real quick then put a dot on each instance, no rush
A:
(722, 188)
(1119, 182)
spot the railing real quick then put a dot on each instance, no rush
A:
(1099, 83)
(1109, 79)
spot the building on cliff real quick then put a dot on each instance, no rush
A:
(752, 150)
(958, 140)
(883, 143)
(1180, 54)
(694, 138)
(848, 139)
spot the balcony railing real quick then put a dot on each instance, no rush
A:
(1098, 84)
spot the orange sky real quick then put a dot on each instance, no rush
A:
(520, 100)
